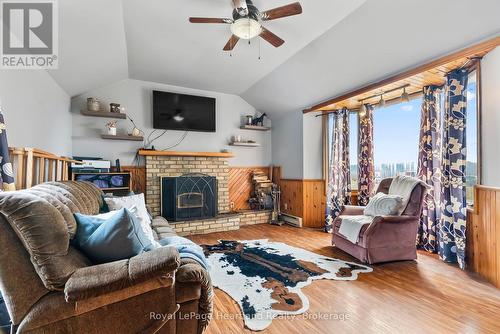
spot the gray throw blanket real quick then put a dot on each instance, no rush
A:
(187, 249)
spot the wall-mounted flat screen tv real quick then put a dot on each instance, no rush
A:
(172, 111)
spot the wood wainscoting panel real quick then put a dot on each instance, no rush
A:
(305, 199)
(292, 197)
(314, 203)
(483, 235)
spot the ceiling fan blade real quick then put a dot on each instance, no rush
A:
(271, 38)
(209, 20)
(231, 43)
(284, 11)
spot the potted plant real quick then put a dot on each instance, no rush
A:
(111, 128)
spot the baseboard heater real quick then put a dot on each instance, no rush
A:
(291, 220)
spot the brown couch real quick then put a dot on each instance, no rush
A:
(51, 287)
(387, 238)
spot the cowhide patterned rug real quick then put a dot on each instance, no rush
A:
(266, 278)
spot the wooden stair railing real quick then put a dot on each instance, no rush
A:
(33, 166)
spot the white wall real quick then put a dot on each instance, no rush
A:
(36, 111)
(313, 147)
(136, 97)
(288, 145)
(490, 87)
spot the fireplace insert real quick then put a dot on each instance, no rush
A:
(188, 197)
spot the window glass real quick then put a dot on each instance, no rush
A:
(471, 169)
(396, 131)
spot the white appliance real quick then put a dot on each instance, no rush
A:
(98, 164)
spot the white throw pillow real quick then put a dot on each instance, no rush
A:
(384, 205)
(137, 205)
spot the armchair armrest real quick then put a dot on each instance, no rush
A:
(388, 231)
(395, 219)
(98, 280)
(352, 210)
(191, 272)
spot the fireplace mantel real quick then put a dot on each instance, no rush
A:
(185, 154)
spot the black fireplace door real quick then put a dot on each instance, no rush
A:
(189, 197)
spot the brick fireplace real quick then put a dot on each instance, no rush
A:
(174, 164)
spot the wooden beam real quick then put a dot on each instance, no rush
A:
(467, 52)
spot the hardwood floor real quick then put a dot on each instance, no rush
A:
(423, 296)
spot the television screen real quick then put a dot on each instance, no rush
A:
(173, 111)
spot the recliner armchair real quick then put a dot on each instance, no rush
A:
(387, 238)
(51, 287)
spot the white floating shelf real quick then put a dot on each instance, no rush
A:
(243, 144)
(255, 127)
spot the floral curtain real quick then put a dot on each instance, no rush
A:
(429, 167)
(451, 229)
(6, 171)
(366, 169)
(339, 180)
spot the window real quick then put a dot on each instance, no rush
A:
(471, 135)
(395, 139)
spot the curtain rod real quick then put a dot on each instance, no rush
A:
(384, 92)
(388, 102)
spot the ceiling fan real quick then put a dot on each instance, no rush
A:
(247, 22)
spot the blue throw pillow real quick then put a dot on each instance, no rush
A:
(107, 240)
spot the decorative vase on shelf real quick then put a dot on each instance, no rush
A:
(112, 131)
(93, 104)
(136, 132)
(114, 107)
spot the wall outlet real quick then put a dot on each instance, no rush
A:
(285, 206)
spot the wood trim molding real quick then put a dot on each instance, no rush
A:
(185, 154)
(467, 52)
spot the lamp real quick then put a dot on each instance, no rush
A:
(246, 28)
(381, 103)
(362, 109)
(405, 97)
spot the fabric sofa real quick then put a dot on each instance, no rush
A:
(387, 238)
(51, 287)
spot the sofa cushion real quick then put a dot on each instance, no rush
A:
(162, 229)
(43, 232)
(111, 237)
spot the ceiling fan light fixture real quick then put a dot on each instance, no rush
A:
(246, 28)
(178, 116)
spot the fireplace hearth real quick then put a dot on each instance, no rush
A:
(189, 197)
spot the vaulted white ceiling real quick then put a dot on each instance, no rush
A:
(335, 45)
(152, 40)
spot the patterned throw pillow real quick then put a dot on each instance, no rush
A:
(384, 205)
(137, 205)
